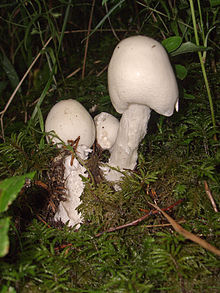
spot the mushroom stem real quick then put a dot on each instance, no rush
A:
(132, 129)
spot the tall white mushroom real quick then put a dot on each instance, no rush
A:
(140, 78)
(70, 120)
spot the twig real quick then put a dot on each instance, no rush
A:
(209, 194)
(165, 209)
(98, 74)
(162, 225)
(186, 233)
(98, 30)
(18, 86)
(87, 39)
(42, 220)
(136, 222)
(74, 72)
(41, 184)
(63, 246)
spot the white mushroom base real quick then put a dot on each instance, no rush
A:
(67, 210)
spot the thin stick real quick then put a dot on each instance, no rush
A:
(209, 194)
(98, 74)
(186, 233)
(162, 225)
(73, 73)
(18, 86)
(42, 220)
(63, 246)
(87, 39)
(136, 222)
(98, 30)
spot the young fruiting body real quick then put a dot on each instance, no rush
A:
(106, 130)
(70, 121)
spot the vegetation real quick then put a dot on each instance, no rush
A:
(53, 50)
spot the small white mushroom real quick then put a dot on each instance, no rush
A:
(106, 130)
(140, 78)
(70, 120)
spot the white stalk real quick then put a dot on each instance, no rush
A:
(132, 129)
(67, 210)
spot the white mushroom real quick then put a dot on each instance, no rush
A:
(70, 120)
(140, 78)
(106, 130)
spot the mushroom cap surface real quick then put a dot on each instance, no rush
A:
(69, 120)
(106, 129)
(140, 73)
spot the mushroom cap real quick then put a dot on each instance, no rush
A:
(106, 130)
(140, 73)
(69, 120)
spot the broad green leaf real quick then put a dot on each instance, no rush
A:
(9, 70)
(189, 47)
(171, 44)
(181, 71)
(9, 189)
(4, 243)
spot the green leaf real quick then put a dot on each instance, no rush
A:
(40, 100)
(106, 16)
(165, 7)
(214, 2)
(174, 27)
(9, 189)
(9, 70)
(4, 243)
(171, 44)
(189, 47)
(181, 71)
(188, 96)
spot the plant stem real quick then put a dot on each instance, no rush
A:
(87, 39)
(203, 66)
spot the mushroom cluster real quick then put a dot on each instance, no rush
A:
(140, 79)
